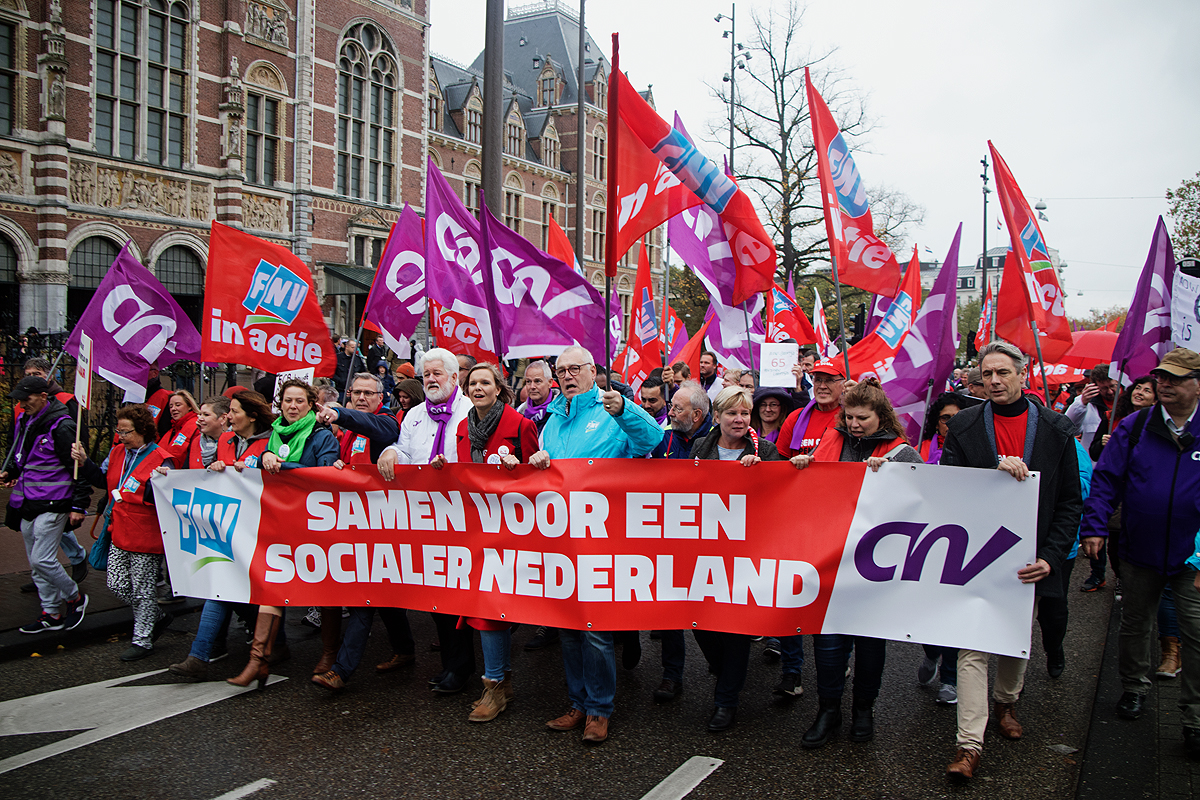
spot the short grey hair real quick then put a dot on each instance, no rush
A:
(694, 393)
(583, 353)
(448, 359)
(547, 373)
(1004, 349)
(732, 397)
(367, 376)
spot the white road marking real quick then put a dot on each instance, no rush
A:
(248, 789)
(680, 783)
(101, 710)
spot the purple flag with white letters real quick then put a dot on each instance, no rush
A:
(397, 300)
(538, 304)
(1146, 336)
(134, 322)
(926, 356)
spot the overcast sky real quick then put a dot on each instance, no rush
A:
(1087, 100)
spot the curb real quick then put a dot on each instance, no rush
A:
(97, 626)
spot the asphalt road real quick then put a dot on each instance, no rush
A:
(389, 736)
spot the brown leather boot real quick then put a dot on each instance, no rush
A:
(491, 704)
(596, 730)
(964, 765)
(190, 667)
(1171, 663)
(331, 639)
(1006, 720)
(568, 721)
(504, 687)
(265, 628)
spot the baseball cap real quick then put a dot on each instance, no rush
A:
(830, 366)
(1180, 362)
(974, 376)
(27, 386)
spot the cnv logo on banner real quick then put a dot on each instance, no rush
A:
(276, 295)
(206, 519)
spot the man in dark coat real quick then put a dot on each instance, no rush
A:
(1017, 435)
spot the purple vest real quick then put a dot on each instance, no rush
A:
(43, 477)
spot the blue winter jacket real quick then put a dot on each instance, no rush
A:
(588, 431)
(1157, 486)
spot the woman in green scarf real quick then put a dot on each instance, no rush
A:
(296, 441)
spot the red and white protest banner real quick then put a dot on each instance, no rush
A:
(624, 545)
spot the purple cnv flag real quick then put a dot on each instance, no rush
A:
(616, 324)
(454, 274)
(926, 357)
(1146, 336)
(538, 304)
(134, 322)
(397, 300)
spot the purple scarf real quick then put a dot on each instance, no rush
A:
(535, 413)
(935, 451)
(773, 436)
(802, 426)
(661, 416)
(441, 414)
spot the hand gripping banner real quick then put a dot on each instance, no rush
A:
(624, 545)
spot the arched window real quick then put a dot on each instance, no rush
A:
(598, 158)
(550, 147)
(367, 83)
(10, 292)
(8, 261)
(180, 271)
(473, 180)
(547, 92)
(473, 118)
(88, 263)
(514, 135)
(143, 79)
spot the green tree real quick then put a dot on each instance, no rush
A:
(1184, 208)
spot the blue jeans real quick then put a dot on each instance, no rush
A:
(357, 630)
(833, 653)
(71, 548)
(1168, 620)
(497, 649)
(673, 652)
(729, 656)
(590, 665)
(948, 669)
(213, 627)
(791, 653)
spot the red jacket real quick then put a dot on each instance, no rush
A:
(134, 521)
(157, 403)
(227, 450)
(515, 435)
(178, 440)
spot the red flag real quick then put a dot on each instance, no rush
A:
(691, 351)
(984, 334)
(672, 333)
(825, 347)
(1045, 295)
(786, 320)
(457, 333)
(862, 259)
(753, 249)
(1014, 308)
(559, 246)
(1114, 324)
(876, 350)
(261, 307)
(642, 354)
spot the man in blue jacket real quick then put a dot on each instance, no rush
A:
(587, 423)
(1151, 468)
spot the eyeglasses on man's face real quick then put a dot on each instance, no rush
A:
(570, 369)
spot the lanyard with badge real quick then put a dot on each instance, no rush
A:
(128, 482)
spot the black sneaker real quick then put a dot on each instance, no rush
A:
(771, 651)
(28, 588)
(44, 622)
(136, 653)
(79, 571)
(542, 637)
(1093, 583)
(75, 611)
(219, 651)
(789, 685)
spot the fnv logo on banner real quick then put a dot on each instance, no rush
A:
(210, 530)
(276, 295)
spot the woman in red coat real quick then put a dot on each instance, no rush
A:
(177, 441)
(493, 433)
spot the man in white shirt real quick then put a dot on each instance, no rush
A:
(429, 430)
(1093, 405)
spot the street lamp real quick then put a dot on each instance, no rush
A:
(734, 65)
(983, 297)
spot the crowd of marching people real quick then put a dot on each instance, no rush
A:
(1119, 481)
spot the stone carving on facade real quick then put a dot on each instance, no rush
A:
(144, 193)
(56, 106)
(10, 174)
(261, 74)
(83, 183)
(267, 22)
(108, 188)
(53, 63)
(234, 110)
(200, 201)
(262, 213)
(175, 198)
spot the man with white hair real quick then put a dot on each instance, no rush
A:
(429, 430)
(587, 423)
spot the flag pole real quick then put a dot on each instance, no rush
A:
(1037, 342)
(610, 216)
(837, 286)
(749, 339)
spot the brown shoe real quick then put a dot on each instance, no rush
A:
(491, 704)
(965, 763)
(329, 680)
(1006, 721)
(396, 662)
(190, 667)
(596, 730)
(567, 722)
(1170, 665)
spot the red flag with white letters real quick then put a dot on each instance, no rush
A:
(642, 355)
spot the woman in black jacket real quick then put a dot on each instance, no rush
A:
(731, 439)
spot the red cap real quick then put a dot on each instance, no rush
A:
(406, 369)
(831, 366)
(232, 390)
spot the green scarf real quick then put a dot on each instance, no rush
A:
(295, 436)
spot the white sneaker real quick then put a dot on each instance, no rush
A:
(927, 671)
(948, 694)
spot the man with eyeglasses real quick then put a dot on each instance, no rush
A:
(803, 429)
(367, 429)
(1151, 469)
(587, 423)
